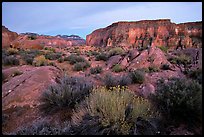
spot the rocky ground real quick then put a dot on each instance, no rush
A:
(27, 72)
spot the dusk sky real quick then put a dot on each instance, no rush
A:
(81, 18)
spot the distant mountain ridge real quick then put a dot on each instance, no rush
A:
(34, 40)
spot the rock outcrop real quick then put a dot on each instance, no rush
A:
(7, 36)
(148, 33)
(21, 94)
(35, 41)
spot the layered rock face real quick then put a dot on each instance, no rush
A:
(7, 36)
(148, 33)
(35, 41)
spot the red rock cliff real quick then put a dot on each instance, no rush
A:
(148, 32)
(7, 36)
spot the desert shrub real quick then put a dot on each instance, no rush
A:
(180, 59)
(179, 100)
(125, 80)
(16, 73)
(196, 75)
(112, 81)
(50, 49)
(101, 56)
(96, 70)
(137, 76)
(117, 68)
(165, 67)
(51, 64)
(12, 51)
(153, 68)
(73, 58)
(66, 94)
(117, 108)
(60, 60)
(81, 66)
(3, 76)
(32, 37)
(42, 127)
(53, 56)
(150, 59)
(11, 60)
(164, 48)
(116, 51)
(40, 61)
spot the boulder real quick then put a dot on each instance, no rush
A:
(113, 60)
(147, 89)
(21, 94)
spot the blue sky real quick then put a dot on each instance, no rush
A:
(81, 18)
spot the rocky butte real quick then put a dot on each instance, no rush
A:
(144, 33)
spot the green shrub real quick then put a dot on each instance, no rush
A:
(111, 81)
(32, 37)
(117, 68)
(12, 51)
(40, 61)
(73, 58)
(60, 60)
(51, 64)
(137, 76)
(11, 60)
(66, 94)
(164, 48)
(116, 51)
(117, 108)
(165, 67)
(101, 56)
(153, 68)
(96, 70)
(42, 127)
(179, 100)
(3, 76)
(181, 59)
(81, 66)
(16, 73)
(125, 80)
(53, 56)
(196, 75)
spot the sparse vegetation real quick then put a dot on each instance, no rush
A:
(117, 68)
(96, 70)
(40, 61)
(81, 66)
(53, 56)
(66, 94)
(153, 68)
(102, 56)
(179, 100)
(112, 81)
(73, 58)
(60, 60)
(165, 67)
(117, 109)
(11, 60)
(16, 73)
(137, 76)
(196, 75)
(164, 48)
(180, 59)
(12, 51)
(116, 51)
